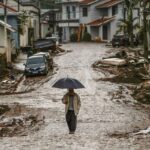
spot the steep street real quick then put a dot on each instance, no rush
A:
(103, 123)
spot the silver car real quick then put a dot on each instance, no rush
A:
(36, 65)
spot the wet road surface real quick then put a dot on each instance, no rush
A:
(103, 124)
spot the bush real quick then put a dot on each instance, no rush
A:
(86, 37)
(73, 37)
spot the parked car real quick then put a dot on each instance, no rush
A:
(120, 40)
(123, 40)
(36, 65)
(48, 57)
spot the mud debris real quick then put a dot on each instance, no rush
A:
(119, 135)
(17, 121)
(135, 72)
(142, 92)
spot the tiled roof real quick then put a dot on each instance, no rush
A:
(7, 7)
(87, 2)
(109, 3)
(101, 21)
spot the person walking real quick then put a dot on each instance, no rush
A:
(72, 106)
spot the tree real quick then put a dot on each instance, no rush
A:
(145, 29)
(129, 7)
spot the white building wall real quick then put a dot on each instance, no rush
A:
(44, 29)
(64, 11)
(2, 36)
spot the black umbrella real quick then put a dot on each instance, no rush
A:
(68, 83)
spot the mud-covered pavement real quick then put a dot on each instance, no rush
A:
(106, 121)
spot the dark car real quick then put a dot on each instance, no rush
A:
(120, 40)
(123, 40)
(36, 65)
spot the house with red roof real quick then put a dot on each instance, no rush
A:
(99, 16)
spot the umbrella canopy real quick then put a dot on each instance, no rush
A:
(68, 83)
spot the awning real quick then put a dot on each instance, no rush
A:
(9, 27)
(108, 4)
(101, 21)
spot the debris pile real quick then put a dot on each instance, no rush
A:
(13, 122)
(127, 66)
(8, 85)
(58, 50)
(142, 92)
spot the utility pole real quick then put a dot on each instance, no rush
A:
(8, 53)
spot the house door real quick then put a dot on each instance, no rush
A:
(105, 32)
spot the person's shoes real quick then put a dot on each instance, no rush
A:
(71, 132)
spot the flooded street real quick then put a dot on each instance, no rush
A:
(103, 123)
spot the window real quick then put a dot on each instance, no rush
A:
(74, 11)
(114, 10)
(68, 12)
(85, 12)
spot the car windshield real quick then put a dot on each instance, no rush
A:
(36, 60)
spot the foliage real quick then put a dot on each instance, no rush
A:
(124, 26)
(73, 37)
(86, 37)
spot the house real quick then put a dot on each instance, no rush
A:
(48, 22)
(99, 16)
(12, 19)
(7, 41)
(69, 18)
(29, 24)
(3, 42)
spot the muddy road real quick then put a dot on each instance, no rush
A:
(106, 121)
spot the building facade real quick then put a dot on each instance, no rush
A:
(99, 16)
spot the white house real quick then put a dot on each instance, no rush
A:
(99, 16)
(31, 29)
(70, 17)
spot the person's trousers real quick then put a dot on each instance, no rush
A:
(71, 119)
